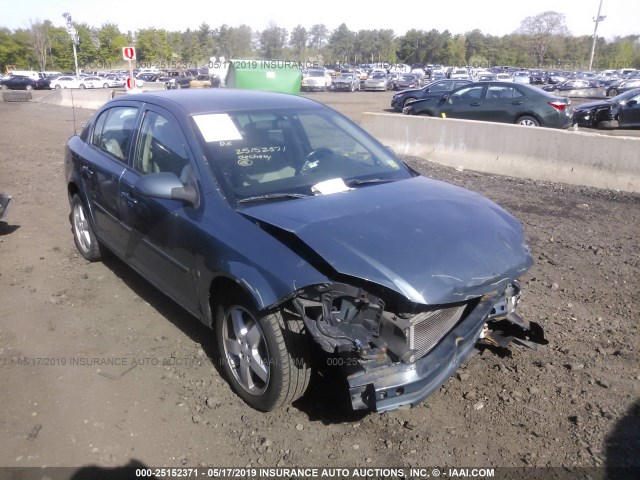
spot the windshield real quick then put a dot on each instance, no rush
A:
(258, 153)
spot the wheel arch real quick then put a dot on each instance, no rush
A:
(246, 282)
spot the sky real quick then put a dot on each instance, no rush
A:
(495, 17)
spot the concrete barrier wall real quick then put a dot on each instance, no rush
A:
(91, 99)
(578, 158)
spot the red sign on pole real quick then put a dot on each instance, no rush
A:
(128, 53)
(131, 83)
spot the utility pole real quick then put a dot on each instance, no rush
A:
(598, 19)
(73, 33)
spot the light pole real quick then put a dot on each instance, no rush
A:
(73, 33)
(598, 19)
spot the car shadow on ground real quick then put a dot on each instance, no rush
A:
(132, 470)
(6, 229)
(327, 398)
(178, 316)
(622, 446)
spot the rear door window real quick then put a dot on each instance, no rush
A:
(114, 130)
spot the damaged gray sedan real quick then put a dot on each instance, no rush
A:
(279, 223)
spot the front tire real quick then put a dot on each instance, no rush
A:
(608, 124)
(105, 85)
(82, 86)
(83, 235)
(408, 101)
(528, 121)
(265, 356)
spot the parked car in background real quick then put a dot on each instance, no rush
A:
(201, 81)
(407, 81)
(269, 218)
(557, 77)
(118, 80)
(459, 73)
(485, 77)
(180, 79)
(392, 78)
(498, 102)
(503, 77)
(376, 81)
(98, 82)
(316, 79)
(619, 111)
(347, 82)
(622, 86)
(433, 89)
(521, 77)
(66, 81)
(577, 88)
(19, 82)
(538, 77)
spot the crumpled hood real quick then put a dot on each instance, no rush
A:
(430, 241)
(590, 105)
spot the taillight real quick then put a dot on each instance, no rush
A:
(558, 106)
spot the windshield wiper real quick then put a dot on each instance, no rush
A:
(356, 181)
(271, 196)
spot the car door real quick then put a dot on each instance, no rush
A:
(502, 103)
(629, 115)
(102, 163)
(464, 103)
(163, 233)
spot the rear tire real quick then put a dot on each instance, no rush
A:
(528, 121)
(265, 356)
(613, 92)
(83, 235)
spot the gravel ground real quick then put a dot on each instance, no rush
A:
(163, 402)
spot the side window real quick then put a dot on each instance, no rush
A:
(113, 131)
(161, 146)
(499, 92)
(468, 93)
(441, 87)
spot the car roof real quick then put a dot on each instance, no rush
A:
(196, 101)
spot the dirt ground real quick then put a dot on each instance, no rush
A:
(99, 368)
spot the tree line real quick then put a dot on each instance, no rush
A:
(541, 41)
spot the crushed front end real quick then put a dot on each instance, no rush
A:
(396, 353)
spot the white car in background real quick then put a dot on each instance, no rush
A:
(316, 79)
(459, 73)
(521, 77)
(66, 81)
(98, 82)
(503, 77)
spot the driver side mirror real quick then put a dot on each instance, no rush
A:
(168, 186)
(444, 98)
(631, 103)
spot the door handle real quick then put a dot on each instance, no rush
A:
(131, 201)
(87, 171)
(475, 104)
(517, 102)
